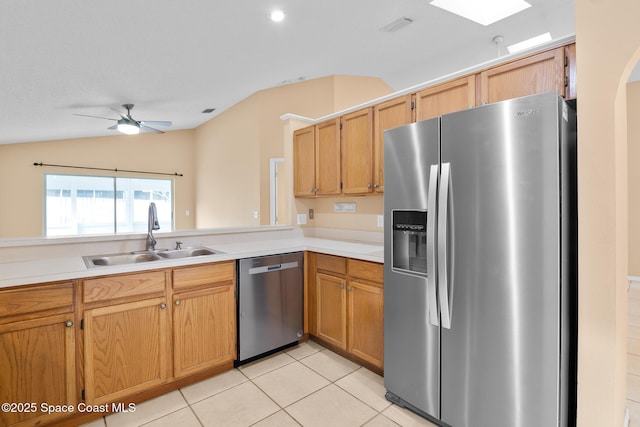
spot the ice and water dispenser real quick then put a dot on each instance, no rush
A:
(410, 241)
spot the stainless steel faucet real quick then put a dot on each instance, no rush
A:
(152, 225)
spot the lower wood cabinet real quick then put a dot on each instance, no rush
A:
(37, 353)
(126, 349)
(349, 307)
(366, 322)
(204, 318)
(332, 309)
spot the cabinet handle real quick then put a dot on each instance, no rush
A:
(376, 185)
(163, 306)
(177, 302)
(68, 323)
(341, 286)
(368, 185)
(349, 288)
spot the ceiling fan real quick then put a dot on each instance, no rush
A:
(128, 125)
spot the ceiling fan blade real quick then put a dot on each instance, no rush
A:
(149, 129)
(123, 115)
(95, 117)
(114, 127)
(155, 123)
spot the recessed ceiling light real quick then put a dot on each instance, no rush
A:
(483, 12)
(277, 16)
(533, 41)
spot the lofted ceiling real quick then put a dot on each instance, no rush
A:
(173, 59)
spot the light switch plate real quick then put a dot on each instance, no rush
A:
(380, 221)
(302, 219)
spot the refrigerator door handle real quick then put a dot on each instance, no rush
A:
(432, 301)
(445, 225)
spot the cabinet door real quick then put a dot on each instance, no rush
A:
(125, 348)
(37, 365)
(445, 98)
(328, 158)
(304, 158)
(570, 71)
(366, 322)
(356, 146)
(331, 310)
(204, 329)
(388, 115)
(538, 73)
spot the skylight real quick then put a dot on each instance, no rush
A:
(484, 12)
(533, 41)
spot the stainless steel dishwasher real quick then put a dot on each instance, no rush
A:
(270, 304)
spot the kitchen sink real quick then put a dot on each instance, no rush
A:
(186, 252)
(146, 256)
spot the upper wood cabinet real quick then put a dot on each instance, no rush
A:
(356, 146)
(37, 352)
(304, 162)
(387, 115)
(446, 98)
(327, 158)
(204, 317)
(351, 160)
(535, 74)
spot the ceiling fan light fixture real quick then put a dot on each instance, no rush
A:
(486, 12)
(127, 127)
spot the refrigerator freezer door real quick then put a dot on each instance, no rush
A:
(411, 342)
(501, 356)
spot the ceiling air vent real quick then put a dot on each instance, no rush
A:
(208, 111)
(396, 25)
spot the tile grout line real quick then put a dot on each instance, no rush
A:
(195, 414)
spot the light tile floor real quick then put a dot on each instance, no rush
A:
(633, 354)
(305, 385)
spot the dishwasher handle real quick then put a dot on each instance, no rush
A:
(273, 267)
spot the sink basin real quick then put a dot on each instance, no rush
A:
(146, 256)
(119, 259)
(186, 252)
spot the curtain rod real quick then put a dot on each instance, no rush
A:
(106, 169)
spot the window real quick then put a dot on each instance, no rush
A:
(80, 204)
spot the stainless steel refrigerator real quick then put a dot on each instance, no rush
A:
(480, 265)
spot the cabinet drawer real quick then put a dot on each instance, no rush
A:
(107, 288)
(36, 299)
(189, 277)
(334, 264)
(366, 270)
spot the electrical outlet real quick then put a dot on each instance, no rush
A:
(381, 221)
(256, 214)
(302, 219)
